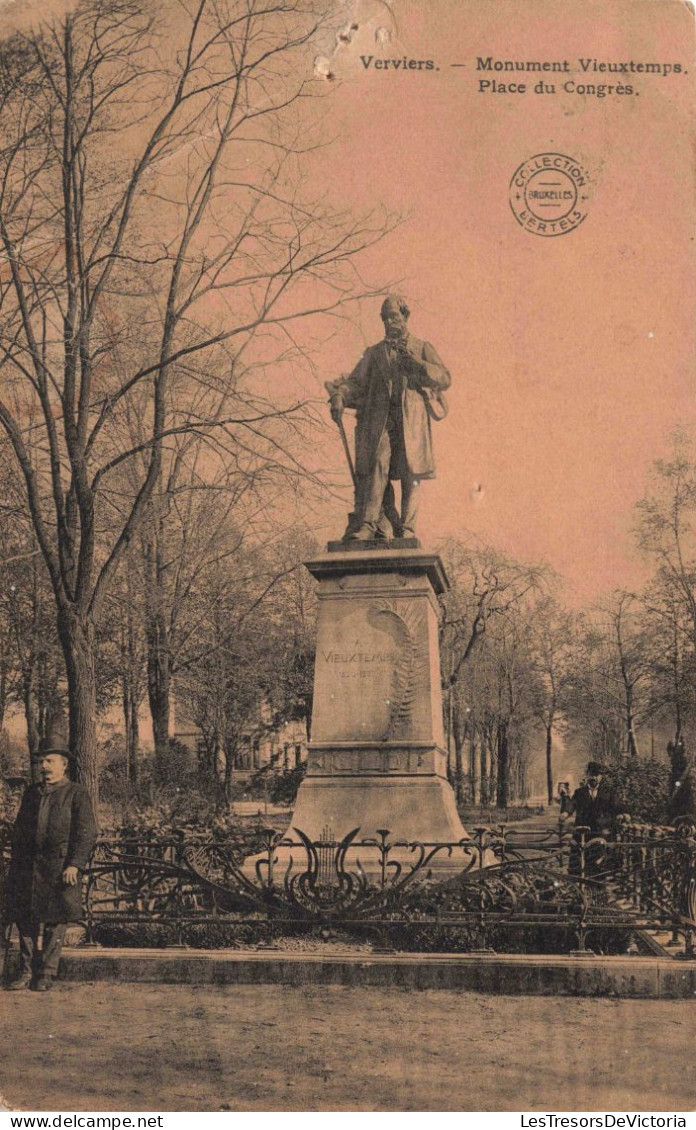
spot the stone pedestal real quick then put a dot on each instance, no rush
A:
(377, 758)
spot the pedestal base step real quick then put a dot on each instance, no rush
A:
(412, 808)
(373, 543)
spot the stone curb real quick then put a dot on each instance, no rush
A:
(515, 974)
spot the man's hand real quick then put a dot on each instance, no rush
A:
(336, 411)
(410, 363)
(70, 876)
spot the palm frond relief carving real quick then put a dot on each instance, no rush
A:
(411, 659)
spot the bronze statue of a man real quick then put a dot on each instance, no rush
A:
(396, 389)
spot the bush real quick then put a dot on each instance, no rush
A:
(114, 786)
(403, 938)
(642, 788)
(10, 799)
(540, 939)
(190, 816)
(283, 787)
(199, 935)
(174, 766)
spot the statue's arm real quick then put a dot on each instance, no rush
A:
(349, 391)
(434, 374)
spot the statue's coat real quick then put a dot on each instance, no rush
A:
(368, 389)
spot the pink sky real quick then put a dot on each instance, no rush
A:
(571, 357)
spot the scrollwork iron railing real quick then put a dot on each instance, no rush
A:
(549, 889)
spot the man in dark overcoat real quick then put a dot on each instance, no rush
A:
(396, 389)
(52, 840)
(595, 809)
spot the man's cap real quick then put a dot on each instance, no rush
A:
(595, 768)
(47, 747)
(55, 740)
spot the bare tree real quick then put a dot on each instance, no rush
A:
(120, 660)
(207, 508)
(486, 587)
(673, 661)
(31, 663)
(552, 633)
(154, 228)
(666, 524)
(513, 693)
(625, 661)
(665, 533)
(609, 695)
(254, 664)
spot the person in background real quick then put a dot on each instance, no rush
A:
(564, 797)
(594, 807)
(52, 840)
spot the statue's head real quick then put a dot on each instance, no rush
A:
(395, 314)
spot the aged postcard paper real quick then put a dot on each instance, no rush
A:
(228, 227)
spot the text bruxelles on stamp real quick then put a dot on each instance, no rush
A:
(548, 194)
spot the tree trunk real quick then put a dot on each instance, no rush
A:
(630, 729)
(449, 720)
(522, 792)
(31, 719)
(309, 702)
(125, 701)
(503, 786)
(458, 765)
(130, 684)
(131, 729)
(210, 758)
(473, 779)
(230, 755)
(157, 633)
(3, 692)
(77, 641)
(134, 741)
(48, 698)
(549, 764)
(159, 680)
(30, 713)
(484, 794)
(676, 685)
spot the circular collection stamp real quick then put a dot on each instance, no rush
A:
(549, 193)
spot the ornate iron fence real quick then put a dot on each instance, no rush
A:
(535, 890)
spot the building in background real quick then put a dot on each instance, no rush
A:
(262, 744)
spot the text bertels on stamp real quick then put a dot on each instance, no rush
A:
(548, 194)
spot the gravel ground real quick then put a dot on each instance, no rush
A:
(124, 1047)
